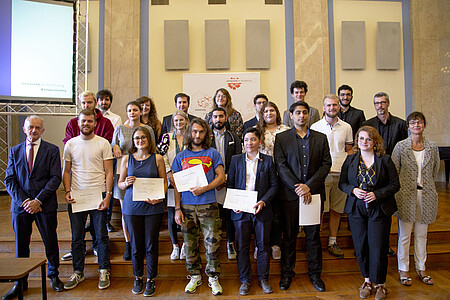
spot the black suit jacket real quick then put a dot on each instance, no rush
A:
(250, 123)
(41, 183)
(398, 131)
(167, 123)
(386, 182)
(232, 147)
(287, 160)
(266, 183)
(353, 116)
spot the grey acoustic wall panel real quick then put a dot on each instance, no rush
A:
(353, 45)
(176, 44)
(258, 44)
(388, 45)
(217, 44)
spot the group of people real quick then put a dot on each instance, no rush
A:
(367, 169)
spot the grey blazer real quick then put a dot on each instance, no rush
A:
(405, 162)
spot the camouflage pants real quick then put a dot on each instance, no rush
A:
(204, 218)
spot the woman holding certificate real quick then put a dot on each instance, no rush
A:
(121, 143)
(253, 171)
(370, 180)
(143, 217)
(172, 144)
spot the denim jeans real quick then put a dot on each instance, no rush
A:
(77, 224)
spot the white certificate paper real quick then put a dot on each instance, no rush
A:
(337, 160)
(170, 198)
(190, 178)
(151, 188)
(86, 199)
(220, 195)
(309, 214)
(119, 164)
(241, 200)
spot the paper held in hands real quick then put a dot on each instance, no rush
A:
(309, 214)
(148, 188)
(86, 199)
(190, 178)
(241, 200)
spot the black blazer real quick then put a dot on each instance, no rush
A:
(167, 123)
(398, 131)
(250, 123)
(41, 183)
(266, 183)
(386, 182)
(287, 160)
(232, 147)
(353, 116)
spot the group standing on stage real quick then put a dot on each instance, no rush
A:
(368, 169)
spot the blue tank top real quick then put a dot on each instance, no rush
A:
(146, 168)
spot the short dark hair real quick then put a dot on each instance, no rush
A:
(182, 95)
(345, 87)
(151, 145)
(259, 96)
(381, 94)
(298, 103)
(416, 115)
(219, 109)
(188, 134)
(299, 84)
(88, 112)
(102, 93)
(253, 130)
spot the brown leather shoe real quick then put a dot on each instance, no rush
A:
(365, 290)
(381, 292)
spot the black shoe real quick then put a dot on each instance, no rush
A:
(244, 289)
(318, 283)
(127, 254)
(285, 283)
(391, 252)
(265, 286)
(138, 286)
(109, 227)
(14, 291)
(56, 284)
(150, 288)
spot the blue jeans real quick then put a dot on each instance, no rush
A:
(77, 224)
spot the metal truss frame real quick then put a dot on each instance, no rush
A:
(8, 110)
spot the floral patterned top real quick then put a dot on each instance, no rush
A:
(269, 139)
(235, 123)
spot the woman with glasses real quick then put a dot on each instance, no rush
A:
(143, 217)
(370, 180)
(417, 163)
(121, 144)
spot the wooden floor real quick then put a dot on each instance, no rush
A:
(338, 285)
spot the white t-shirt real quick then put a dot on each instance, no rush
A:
(87, 158)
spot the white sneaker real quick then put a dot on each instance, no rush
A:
(216, 288)
(175, 253)
(231, 251)
(195, 281)
(182, 252)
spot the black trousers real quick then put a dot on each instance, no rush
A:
(46, 224)
(144, 236)
(370, 234)
(225, 215)
(288, 247)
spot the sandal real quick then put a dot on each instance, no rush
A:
(405, 279)
(425, 279)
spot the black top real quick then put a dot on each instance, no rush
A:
(353, 116)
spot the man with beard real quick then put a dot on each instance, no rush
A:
(258, 101)
(391, 128)
(353, 116)
(298, 92)
(197, 210)
(228, 144)
(182, 102)
(88, 166)
(104, 101)
(302, 157)
(340, 140)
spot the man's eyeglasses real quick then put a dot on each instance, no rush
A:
(380, 103)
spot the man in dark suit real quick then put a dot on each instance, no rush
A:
(228, 144)
(391, 128)
(182, 102)
(32, 177)
(253, 171)
(353, 116)
(303, 161)
(258, 101)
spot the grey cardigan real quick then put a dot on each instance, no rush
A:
(405, 162)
